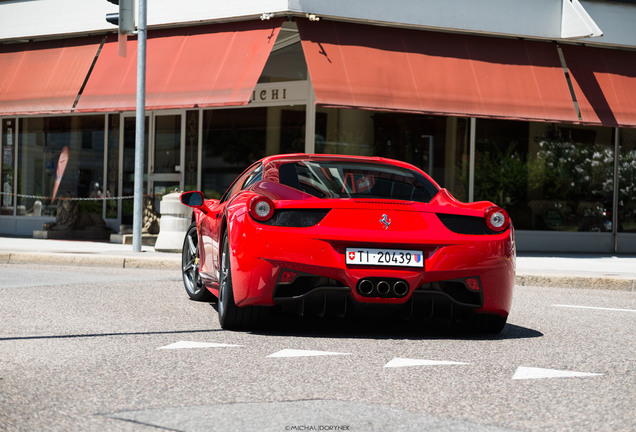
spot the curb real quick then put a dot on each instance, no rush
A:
(610, 283)
(70, 259)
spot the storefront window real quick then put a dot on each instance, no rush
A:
(457, 150)
(549, 177)
(167, 149)
(44, 142)
(234, 138)
(285, 64)
(501, 170)
(627, 182)
(344, 131)
(128, 175)
(112, 166)
(571, 178)
(191, 150)
(437, 145)
(7, 168)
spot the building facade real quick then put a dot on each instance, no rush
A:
(531, 105)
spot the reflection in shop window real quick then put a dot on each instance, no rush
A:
(6, 169)
(191, 151)
(112, 166)
(549, 177)
(572, 174)
(501, 173)
(627, 182)
(285, 64)
(232, 140)
(128, 172)
(438, 145)
(235, 138)
(41, 141)
(167, 144)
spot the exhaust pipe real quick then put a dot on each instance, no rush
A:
(386, 288)
(383, 288)
(400, 288)
(365, 287)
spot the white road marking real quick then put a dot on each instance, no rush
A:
(538, 373)
(303, 353)
(595, 308)
(404, 362)
(186, 344)
(522, 373)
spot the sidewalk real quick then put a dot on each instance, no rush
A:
(559, 270)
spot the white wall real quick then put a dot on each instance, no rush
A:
(31, 18)
(617, 20)
(522, 17)
(21, 19)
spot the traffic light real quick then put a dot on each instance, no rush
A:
(125, 18)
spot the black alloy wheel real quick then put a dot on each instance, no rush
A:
(190, 266)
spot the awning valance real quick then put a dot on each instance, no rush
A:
(44, 77)
(212, 65)
(372, 67)
(604, 82)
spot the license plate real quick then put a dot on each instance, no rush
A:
(385, 257)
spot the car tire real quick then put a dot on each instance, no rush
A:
(232, 317)
(483, 323)
(190, 267)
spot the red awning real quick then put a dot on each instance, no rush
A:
(213, 65)
(362, 66)
(604, 82)
(44, 77)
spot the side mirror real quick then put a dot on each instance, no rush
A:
(192, 199)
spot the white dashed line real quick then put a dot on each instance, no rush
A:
(303, 353)
(539, 373)
(595, 308)
(404, 362)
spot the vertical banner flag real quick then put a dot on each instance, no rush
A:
(61, 166)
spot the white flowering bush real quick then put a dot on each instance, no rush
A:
(566, 184)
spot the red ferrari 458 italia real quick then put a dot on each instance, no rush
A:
(334, 234)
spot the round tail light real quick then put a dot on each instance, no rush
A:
(497, 219)
(261, 208)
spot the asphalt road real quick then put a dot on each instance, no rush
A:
(100, 349)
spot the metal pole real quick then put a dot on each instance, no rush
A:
(140, 118)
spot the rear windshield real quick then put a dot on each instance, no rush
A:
(337, 179)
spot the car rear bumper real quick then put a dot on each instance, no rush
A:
(260, 254)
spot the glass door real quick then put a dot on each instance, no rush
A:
(163, 152)
(7, 174)
(165, 161)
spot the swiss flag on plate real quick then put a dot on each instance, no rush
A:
(352, 255)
